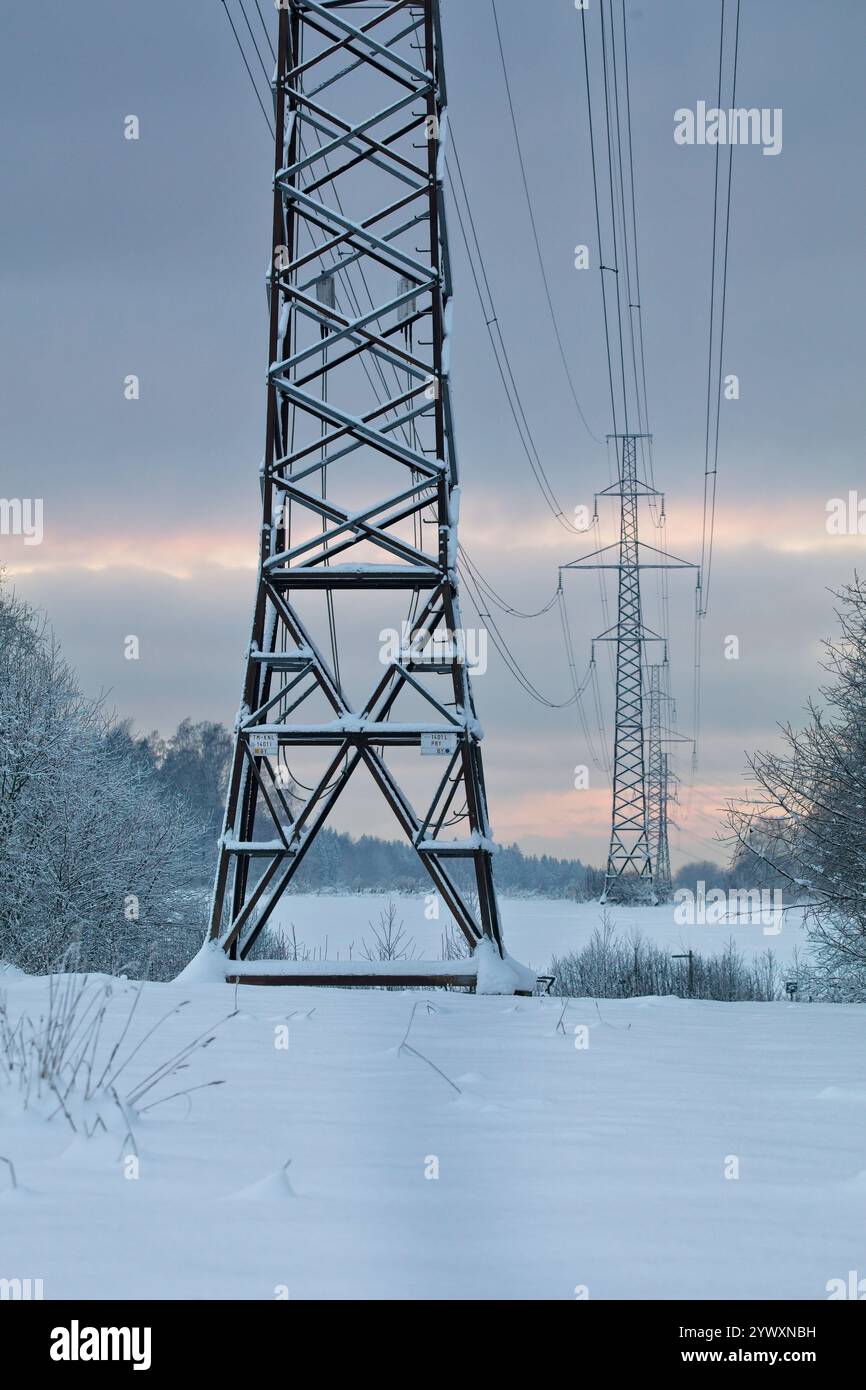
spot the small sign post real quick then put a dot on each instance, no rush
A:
(690, 957)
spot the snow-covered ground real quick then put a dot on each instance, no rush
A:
(608, 1166)
(535, 928)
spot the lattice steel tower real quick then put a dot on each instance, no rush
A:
(629, 875)
(359, 480)
(629, 864)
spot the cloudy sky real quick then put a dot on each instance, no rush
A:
(148, 257)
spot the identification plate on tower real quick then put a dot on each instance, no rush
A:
(264, 745)
(438, 745)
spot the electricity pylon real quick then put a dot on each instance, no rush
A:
(629, 875)
(657, 790)
(359, 480)
(661, 781)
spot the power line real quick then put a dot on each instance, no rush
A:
(248, 68)
(656, 512)
(713, 414)
(490, 593)
(489, 623)
(478, 590)
(624, 222)
(254, 43)
(636, 306)
(712, 338)
(601, 265)
(615, 266)
(602, 583)
(639, 305)
(267, 33)
(715, 470)
(578, 690)
(497, 341)
(535, 235)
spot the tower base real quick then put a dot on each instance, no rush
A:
(485, 972)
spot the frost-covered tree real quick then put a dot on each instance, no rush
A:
(193, 764)
(807, 817)
(89, 844)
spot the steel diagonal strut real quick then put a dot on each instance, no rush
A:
(357, 392)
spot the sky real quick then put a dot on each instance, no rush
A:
(148, 257)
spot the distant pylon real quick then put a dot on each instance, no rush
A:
(657, 788)
(629, 863)
(629, 875)
(663, 879)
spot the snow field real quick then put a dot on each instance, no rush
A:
(560, 1165)
(535, 928)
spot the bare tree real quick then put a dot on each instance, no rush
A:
(390, 941)
(806, 818)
